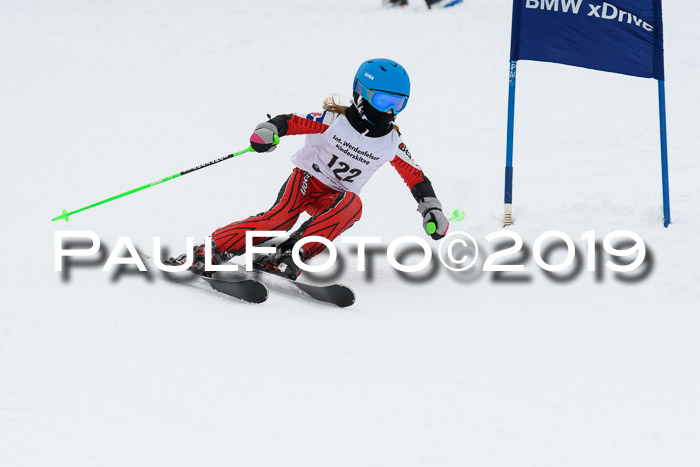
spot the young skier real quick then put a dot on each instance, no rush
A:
(344, 147)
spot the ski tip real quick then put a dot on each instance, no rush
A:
(347, 303)
(248, 290)
(256, 299)
(347, 297)
(64, 215)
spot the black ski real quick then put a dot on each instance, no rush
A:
(247, 289)
(335, 294)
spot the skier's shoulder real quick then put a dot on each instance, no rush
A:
(325, 117)
(402, 151)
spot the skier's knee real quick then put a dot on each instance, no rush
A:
(355, 206)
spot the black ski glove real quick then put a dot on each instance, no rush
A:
(263, 138)
(431, 210)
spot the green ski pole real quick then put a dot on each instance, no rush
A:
(65, 214)
(457, 215)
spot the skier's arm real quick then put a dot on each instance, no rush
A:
(289, 124)
(298, 124)
(422, 190)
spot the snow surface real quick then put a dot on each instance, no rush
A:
(114, 370)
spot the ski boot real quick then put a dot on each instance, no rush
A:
(279, 263)
(217, 257)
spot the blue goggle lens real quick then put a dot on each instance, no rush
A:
(380, 100)
(384, 102)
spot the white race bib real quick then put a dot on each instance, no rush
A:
(344, 159)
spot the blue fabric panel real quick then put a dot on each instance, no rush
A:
(620, 36)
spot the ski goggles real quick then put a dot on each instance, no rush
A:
(380, 100)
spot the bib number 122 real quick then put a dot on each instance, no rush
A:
(342, 169)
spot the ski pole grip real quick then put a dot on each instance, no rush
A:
(457, 215)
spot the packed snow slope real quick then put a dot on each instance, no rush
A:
(113, 369)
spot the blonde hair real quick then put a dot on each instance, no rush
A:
(330, 104)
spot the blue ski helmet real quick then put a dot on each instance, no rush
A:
(384, 84)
